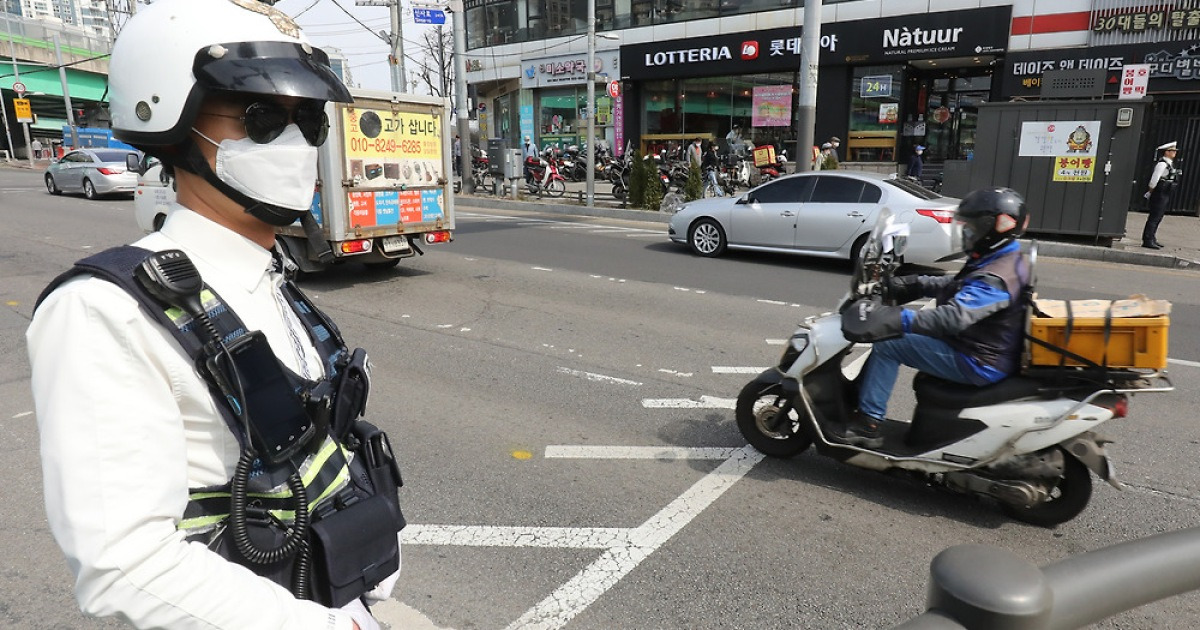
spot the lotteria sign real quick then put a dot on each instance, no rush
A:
(918, 36)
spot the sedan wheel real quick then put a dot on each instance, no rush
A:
(706, 238)
(89, 189)
(51, 187)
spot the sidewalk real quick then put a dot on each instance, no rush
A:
(1180, 235)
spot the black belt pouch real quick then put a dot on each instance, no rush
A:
(354, 549)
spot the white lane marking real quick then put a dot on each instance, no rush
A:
(1183, 362)
(639, 452)
(22, 414)
(541, 269)
(597, 377)
(705, 402)
(534, 222)
(484, 536)
(572, 598)
(719, 369)
(570, 226)
(775, 302)
(776, 342)
(673, 372)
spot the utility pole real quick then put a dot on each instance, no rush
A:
(591, 103)
(12, 47)
(462, 114)
(62, 77)
(395, 39)
(810, 61)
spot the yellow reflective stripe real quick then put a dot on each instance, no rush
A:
(207, 298)
(201, 521)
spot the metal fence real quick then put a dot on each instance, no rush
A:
(40, 34)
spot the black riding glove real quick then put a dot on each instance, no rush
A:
(902, 289)
(869, 321)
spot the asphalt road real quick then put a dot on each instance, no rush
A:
(557, 389)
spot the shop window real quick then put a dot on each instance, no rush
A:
(559, 116)
(832, 189)
(733, 7)
(874, 113)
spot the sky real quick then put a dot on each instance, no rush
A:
(327, 25)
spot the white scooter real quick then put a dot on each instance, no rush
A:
(1027, 442)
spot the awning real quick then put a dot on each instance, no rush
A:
(45, 123)
(86, 86)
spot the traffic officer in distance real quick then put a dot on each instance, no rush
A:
(1163, 180)
(145, 449)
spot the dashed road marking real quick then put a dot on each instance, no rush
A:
(674, 373)
(719, 369)
(640, 452)
(541, 269)
(591, 376)
(705, 402)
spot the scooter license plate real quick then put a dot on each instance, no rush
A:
(393, 244)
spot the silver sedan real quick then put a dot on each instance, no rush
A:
(823, 213)
(93, 172)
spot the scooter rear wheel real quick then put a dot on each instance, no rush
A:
(1069, 497)
(757, 411)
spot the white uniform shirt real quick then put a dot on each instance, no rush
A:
(127, 427)
(1160, 170)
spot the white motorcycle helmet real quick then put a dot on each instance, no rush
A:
(173, 53)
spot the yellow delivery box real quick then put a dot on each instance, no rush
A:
(1128, 333)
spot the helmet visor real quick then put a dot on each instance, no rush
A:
(278, 68)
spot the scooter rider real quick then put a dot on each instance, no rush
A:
(974, 334)
(139, 440)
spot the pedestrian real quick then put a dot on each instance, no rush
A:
(829, 160)
(457, 152)
(834, 143)
(1163, 180)
(734, 140)
(695, 153)
(711, 164)
(36, 146)
(174, 425)
(916, 164)
(531, 158)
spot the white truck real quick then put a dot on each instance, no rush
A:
(383, 187)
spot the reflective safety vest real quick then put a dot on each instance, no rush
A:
(333, 475)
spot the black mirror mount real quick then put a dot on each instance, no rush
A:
(135, 163)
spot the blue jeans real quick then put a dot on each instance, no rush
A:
(927, 354)
(716, 183)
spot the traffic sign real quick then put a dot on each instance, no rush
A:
(614, 89)
(23, 110)
(429, 16)
(19, 88)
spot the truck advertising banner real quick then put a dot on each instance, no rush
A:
(385, 149)
(393, 155)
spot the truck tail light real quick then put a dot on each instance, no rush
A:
(356, 247)
(943, 215)
(440, 236)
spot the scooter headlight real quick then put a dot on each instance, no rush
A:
(795, 347)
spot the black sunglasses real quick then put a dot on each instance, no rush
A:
(266, 120)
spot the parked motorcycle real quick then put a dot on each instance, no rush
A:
(544, 178)
(771, 171)
(1027, 442)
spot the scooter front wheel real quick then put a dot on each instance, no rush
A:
(768, 421)
(556, 187)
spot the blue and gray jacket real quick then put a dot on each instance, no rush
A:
(980, 312)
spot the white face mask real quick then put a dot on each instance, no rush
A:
(281, 172)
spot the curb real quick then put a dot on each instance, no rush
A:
(1055, 249)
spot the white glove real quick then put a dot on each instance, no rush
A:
(361, 616)
(384, 590)
(1147, 195)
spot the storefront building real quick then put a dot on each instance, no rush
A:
(885, 85)
(1164, 37)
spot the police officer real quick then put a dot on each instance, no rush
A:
(230, 95)
(1163, 180)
